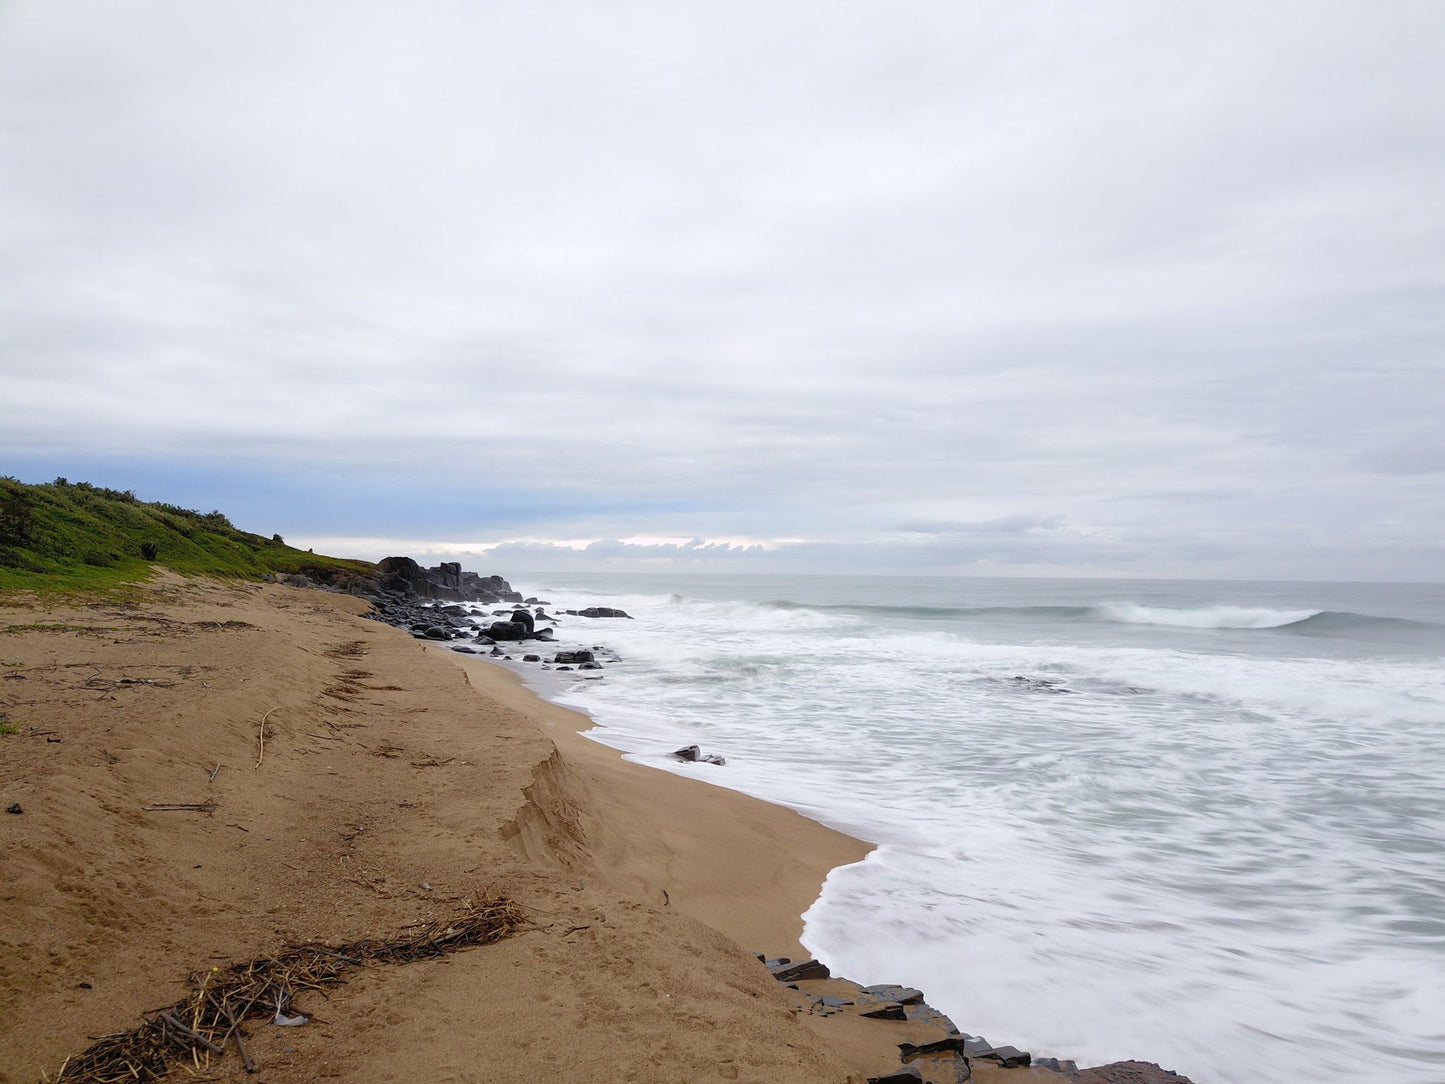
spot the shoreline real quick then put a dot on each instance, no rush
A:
(153, 841)
(757, 900)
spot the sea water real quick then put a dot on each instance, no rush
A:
(1195, 823)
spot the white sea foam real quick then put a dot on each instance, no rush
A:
(1207, 617)
(1195, 846)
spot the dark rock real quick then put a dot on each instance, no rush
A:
(531, 658)
(14, 807)
(436, 632)
(904, 1074)
(950, 1043)
(542, 634)
(833, 1002)
(808, 969)
(574, 656)
(1010, 1057)
(883, 1010)
(773, 965)
(466, 650)
(508, 630)
(600, 611)
(560, 668)
(522, 617)
(904, 995)
(483, 639)
(496, 652)
(590, 666)
(693, 755)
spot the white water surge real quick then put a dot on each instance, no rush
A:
(1197, 824)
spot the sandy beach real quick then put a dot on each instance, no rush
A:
(339, 780)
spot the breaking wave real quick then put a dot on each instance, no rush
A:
(1322, 623)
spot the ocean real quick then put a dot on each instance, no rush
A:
(1196, 823)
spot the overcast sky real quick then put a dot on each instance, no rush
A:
(1007, 287)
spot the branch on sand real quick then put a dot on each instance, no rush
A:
(221, 999)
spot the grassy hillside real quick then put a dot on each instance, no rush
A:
(66, 536)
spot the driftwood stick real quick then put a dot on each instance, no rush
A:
(240, 1043)
(261, 737)
(215, 771)
(182, 1030)
(193, 807)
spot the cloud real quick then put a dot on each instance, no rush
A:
(781, 272)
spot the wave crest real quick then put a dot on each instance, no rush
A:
(1206, 617)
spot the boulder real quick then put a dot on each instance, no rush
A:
(436, 632)
(401, 574)
(508, 630)
(600, 611)
(522, 617)
(573, 656)
(531, 658)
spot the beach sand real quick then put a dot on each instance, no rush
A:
(396, 779)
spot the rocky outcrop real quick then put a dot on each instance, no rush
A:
(404, 577)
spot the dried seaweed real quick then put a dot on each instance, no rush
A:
(222, 998)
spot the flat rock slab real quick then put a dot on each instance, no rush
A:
(926, 1014)
(808, 969)
(904, 995)
(882, 1010)
(1010, 1057)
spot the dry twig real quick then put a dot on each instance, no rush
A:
(261, 738)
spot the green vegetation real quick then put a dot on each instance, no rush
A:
(76, 537)
(7, 728)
